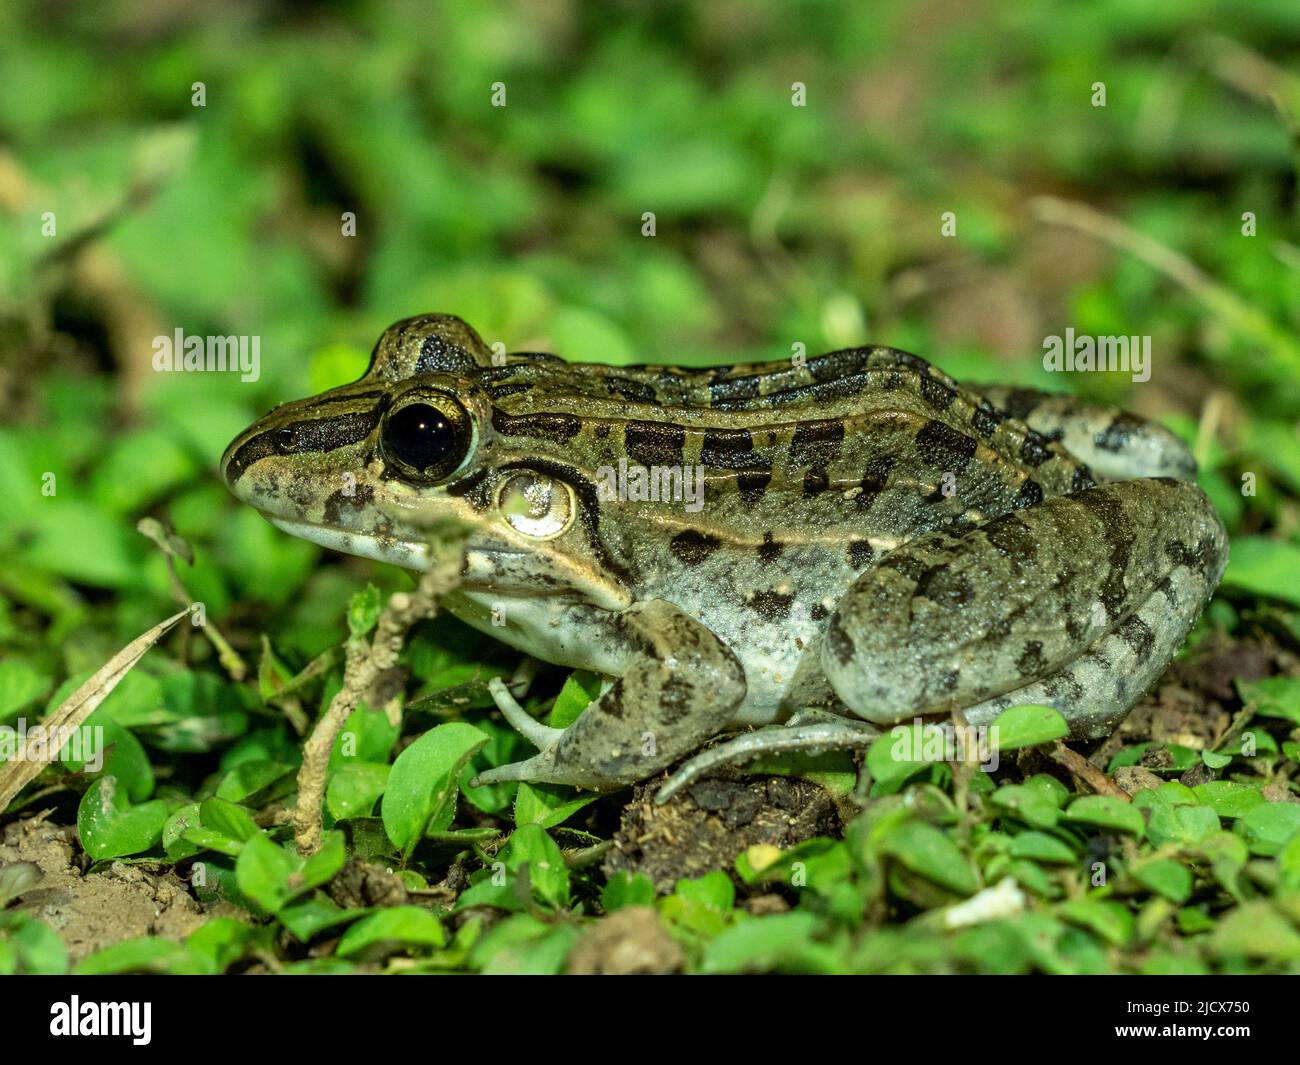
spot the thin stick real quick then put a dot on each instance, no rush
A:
(364, 664)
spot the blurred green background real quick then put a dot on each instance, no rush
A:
(776, 225)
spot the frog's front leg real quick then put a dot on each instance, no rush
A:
(1077, 603)
(681, 685)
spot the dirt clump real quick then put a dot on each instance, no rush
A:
(630, 941)
(93, 910)
(711, 822)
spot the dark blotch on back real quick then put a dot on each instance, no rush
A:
(729, 449)
(986, 418)
(1030, 663)
(936, 393)
(692, 546)
(816, 443)
(943, 447)
(654, 443)
(752, 484)
(815, 481)
(1138, 635)
(1034, 451)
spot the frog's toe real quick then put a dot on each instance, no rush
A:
(822, 735)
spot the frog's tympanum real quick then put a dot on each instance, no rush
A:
(829, 545)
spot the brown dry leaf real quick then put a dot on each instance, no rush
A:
(22, 770)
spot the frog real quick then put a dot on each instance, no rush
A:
(840, 543)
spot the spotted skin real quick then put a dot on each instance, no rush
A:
(873, 539)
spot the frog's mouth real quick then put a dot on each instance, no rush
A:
(409, 554)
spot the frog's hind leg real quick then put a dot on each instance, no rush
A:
(810, 733)
(1115, 444)
(680, 687)
(1078, 603)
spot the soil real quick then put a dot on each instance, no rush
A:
(708, 824)
(627, 942)
(92, 910)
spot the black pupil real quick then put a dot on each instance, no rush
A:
(419, 435)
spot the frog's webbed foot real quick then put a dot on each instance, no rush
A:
(680, 686)
(819, 733)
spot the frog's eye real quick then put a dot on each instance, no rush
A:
(426, 437)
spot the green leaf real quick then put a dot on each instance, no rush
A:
(627, 889)
(366, 736)
(228, 818)
(354, 788)
(1106, 811)
(271, 875)
(391, 930)
(1288, 862)
(175, 845)
(1109, 919)
(1228, 798)
(548, 805)
(143, 955)
(580, 688)
(255, 778)
(1166, 877)
(929, 852)
(1265, 567)
(902, 752)
(37, 948)
(219, 825)
(1273, 697)
(220, 942)
(20, 687)
(546, 869)
(262, 872)
(1029, 804)
(1255, 930)
(313, 915)
(1040, 847)
(110, 827)
(364, 609)
(1269, 827)
(421, 792)
(1027, 726)
(782, 941)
